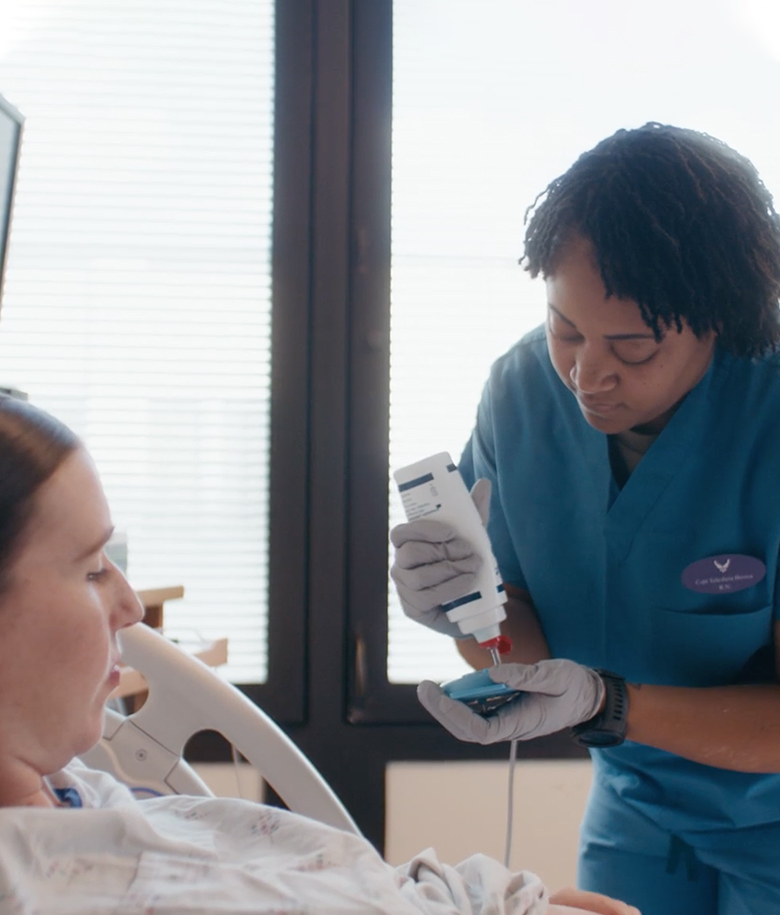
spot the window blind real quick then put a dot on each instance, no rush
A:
(137, 301)
(491, 101)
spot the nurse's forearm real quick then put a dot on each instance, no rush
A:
(730, 727)
(522, 626)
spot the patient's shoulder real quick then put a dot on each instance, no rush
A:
(94, 788)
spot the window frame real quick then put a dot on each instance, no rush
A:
(330, 413)
(283, 693)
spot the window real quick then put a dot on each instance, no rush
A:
(137, 304)
(140, 277)
(490, 103)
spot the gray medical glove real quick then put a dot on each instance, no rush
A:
(433, 566)
(555, 694)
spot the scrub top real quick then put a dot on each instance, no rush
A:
(605, 566)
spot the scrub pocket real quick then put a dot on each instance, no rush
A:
(707, 649)
(702, 639)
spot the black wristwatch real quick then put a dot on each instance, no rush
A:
(608, 728)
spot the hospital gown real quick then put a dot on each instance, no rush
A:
(184, 855)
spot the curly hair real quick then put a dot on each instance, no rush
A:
(680, 223)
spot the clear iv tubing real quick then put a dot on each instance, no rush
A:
(510, 804)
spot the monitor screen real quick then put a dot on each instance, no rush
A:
(10, 141)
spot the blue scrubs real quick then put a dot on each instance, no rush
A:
(603, 566)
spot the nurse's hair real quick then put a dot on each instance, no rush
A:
(680, 223)
(33, 444)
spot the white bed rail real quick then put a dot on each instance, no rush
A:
(145, 749)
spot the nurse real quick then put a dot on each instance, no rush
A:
(632, 446)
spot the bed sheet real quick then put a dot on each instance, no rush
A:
(191, 856)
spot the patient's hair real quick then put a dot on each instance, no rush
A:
(680, 223)
(33, 444)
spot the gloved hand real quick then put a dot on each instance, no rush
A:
(555, 694)
(434, 566)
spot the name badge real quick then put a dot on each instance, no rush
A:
(723, 574)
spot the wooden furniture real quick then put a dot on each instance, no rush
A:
(132, 685)
(154, 599)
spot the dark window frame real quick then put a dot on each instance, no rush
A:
(283, 695)
(330, 406)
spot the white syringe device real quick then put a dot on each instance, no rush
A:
(433, 488)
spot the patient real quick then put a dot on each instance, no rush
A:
(74, 840)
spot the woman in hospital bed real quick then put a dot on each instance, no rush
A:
(73, 840)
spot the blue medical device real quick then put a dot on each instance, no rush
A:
(479, 692)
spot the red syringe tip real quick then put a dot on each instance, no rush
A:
(502, 644)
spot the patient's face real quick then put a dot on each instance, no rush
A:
(59, 618)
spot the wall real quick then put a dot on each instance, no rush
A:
(460, 809)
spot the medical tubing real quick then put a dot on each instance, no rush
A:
(433, 488)
(510, 810)
(236, 769)
(510, 802)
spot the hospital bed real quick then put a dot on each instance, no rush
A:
(144, 750)
(275, 865)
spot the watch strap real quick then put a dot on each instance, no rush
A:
(608, 727)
